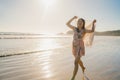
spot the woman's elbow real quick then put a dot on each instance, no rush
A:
(67, 24)
(91, 31)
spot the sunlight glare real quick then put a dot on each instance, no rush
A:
(48, 3)
(47, 44)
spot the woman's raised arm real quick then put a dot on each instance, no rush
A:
(93, 27)
(69, 22)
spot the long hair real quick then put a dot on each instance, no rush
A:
(88, 37)
(83, 27)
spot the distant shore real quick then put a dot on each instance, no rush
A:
(104, 33)
(16, 35)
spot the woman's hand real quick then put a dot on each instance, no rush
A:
(69, 22)
(94, 21)
(75, 17)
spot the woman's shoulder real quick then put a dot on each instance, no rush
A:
(75, 28)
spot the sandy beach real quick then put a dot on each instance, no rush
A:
(37, 38)
(101, 61)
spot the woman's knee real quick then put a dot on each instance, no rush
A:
(76, 63)
(80, 60)
(77, 60)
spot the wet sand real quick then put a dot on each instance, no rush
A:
(102, 63)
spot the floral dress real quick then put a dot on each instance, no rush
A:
(78, 43)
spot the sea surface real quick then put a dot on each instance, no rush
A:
(50, 58)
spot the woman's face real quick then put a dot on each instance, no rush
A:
(80, 24)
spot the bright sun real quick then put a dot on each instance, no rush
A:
(48, 3)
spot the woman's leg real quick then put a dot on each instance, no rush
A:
(76, 67)
(81, 65)
(82, 51)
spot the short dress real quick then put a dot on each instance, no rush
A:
(78, 48)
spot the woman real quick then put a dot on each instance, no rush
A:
(78, 48)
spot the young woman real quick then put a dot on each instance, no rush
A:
(78, 48)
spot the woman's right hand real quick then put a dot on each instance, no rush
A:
(69, 22)
(75, 17)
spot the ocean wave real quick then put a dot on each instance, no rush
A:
(29, 52)
(33, 37)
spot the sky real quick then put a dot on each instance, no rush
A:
(50, 16)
